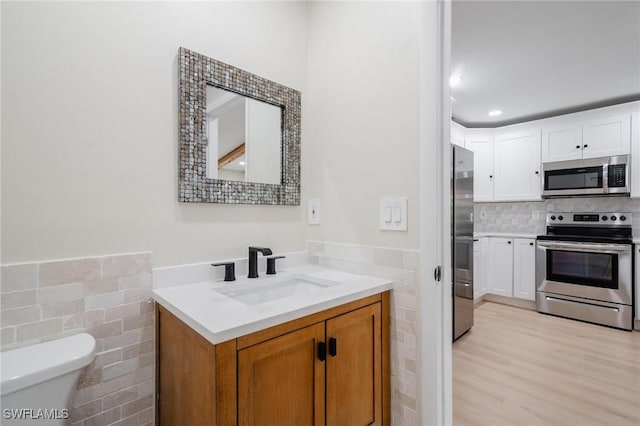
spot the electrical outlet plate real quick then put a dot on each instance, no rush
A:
(313, 211)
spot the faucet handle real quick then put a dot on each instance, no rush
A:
(229, 270)
(271, 264)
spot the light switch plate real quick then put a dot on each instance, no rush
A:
(393, 213)
(313, 211)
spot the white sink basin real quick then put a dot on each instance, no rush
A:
(275, 289)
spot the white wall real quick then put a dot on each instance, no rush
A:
(362, 138)
(90, 125)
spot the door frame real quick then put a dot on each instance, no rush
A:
(435, 399)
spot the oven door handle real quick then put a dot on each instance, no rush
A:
(587, 248)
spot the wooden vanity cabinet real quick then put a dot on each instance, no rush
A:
(330, 368)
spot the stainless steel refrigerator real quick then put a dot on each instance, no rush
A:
(462, 239)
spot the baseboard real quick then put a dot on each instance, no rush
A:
(511, 301)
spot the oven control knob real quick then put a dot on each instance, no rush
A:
(623, 218)
(552, 217)
(604, 218)
(560, 217)
(614, 218)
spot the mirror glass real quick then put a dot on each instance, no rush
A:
(244, 138)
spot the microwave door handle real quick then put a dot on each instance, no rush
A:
(605, 176)
(603, 248)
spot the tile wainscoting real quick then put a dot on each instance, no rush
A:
(107, 297)
(401, 266)
(529, 217)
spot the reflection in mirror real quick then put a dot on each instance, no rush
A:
(244, 138)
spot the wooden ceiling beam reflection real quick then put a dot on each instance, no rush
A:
(229, 157)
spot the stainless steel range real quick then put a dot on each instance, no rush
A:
(584, 268)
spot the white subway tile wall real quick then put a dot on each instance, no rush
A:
(108, 297)
(529, 217)
(401, 266)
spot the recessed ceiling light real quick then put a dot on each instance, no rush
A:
(455, 80)
(495, 113)
(242, 163)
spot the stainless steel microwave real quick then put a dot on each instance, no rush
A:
(593, 176)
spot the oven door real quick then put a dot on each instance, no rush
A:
(597, 271)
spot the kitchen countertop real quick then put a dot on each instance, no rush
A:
(219, 318)
(503, 235)
(636, 240)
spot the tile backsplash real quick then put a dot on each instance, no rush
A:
(107, 297)
(529, 217)
(401, 266)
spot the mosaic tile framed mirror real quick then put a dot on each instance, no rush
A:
(239, 135)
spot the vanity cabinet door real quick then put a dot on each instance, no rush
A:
(354, 368)
(282, 382)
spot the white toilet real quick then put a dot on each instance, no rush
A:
(38, 381)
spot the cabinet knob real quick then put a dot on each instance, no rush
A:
(490, 176)
(585, 146)
(508, 242)
(537, 172)
(530, 244)
(577, 146)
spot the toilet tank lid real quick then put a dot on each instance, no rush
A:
(27, 366)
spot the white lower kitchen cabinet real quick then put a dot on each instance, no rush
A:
(480, 252)
(500, 266)
(524, 268)
(637, 246)
(509, 268)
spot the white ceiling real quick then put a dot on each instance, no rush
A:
(535, 59)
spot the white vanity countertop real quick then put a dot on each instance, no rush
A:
(636, 240)
(219, 318)
(503, 235)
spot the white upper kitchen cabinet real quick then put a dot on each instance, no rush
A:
(500, 267)
(480, 141)
(635, 160)
(606, 136)
(574, 138)
(517, 165)
(562, 142)
(457, 134)
(524, 268)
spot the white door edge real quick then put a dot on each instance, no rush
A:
(435, 324)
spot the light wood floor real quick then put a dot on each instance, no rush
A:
(519, 367)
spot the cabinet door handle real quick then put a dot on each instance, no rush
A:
(333, 346)
(322, 351)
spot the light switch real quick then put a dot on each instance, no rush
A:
(393, 214)
(396, 213)
(387, 214)
(313, 211)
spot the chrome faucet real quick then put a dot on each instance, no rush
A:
(253, 259)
